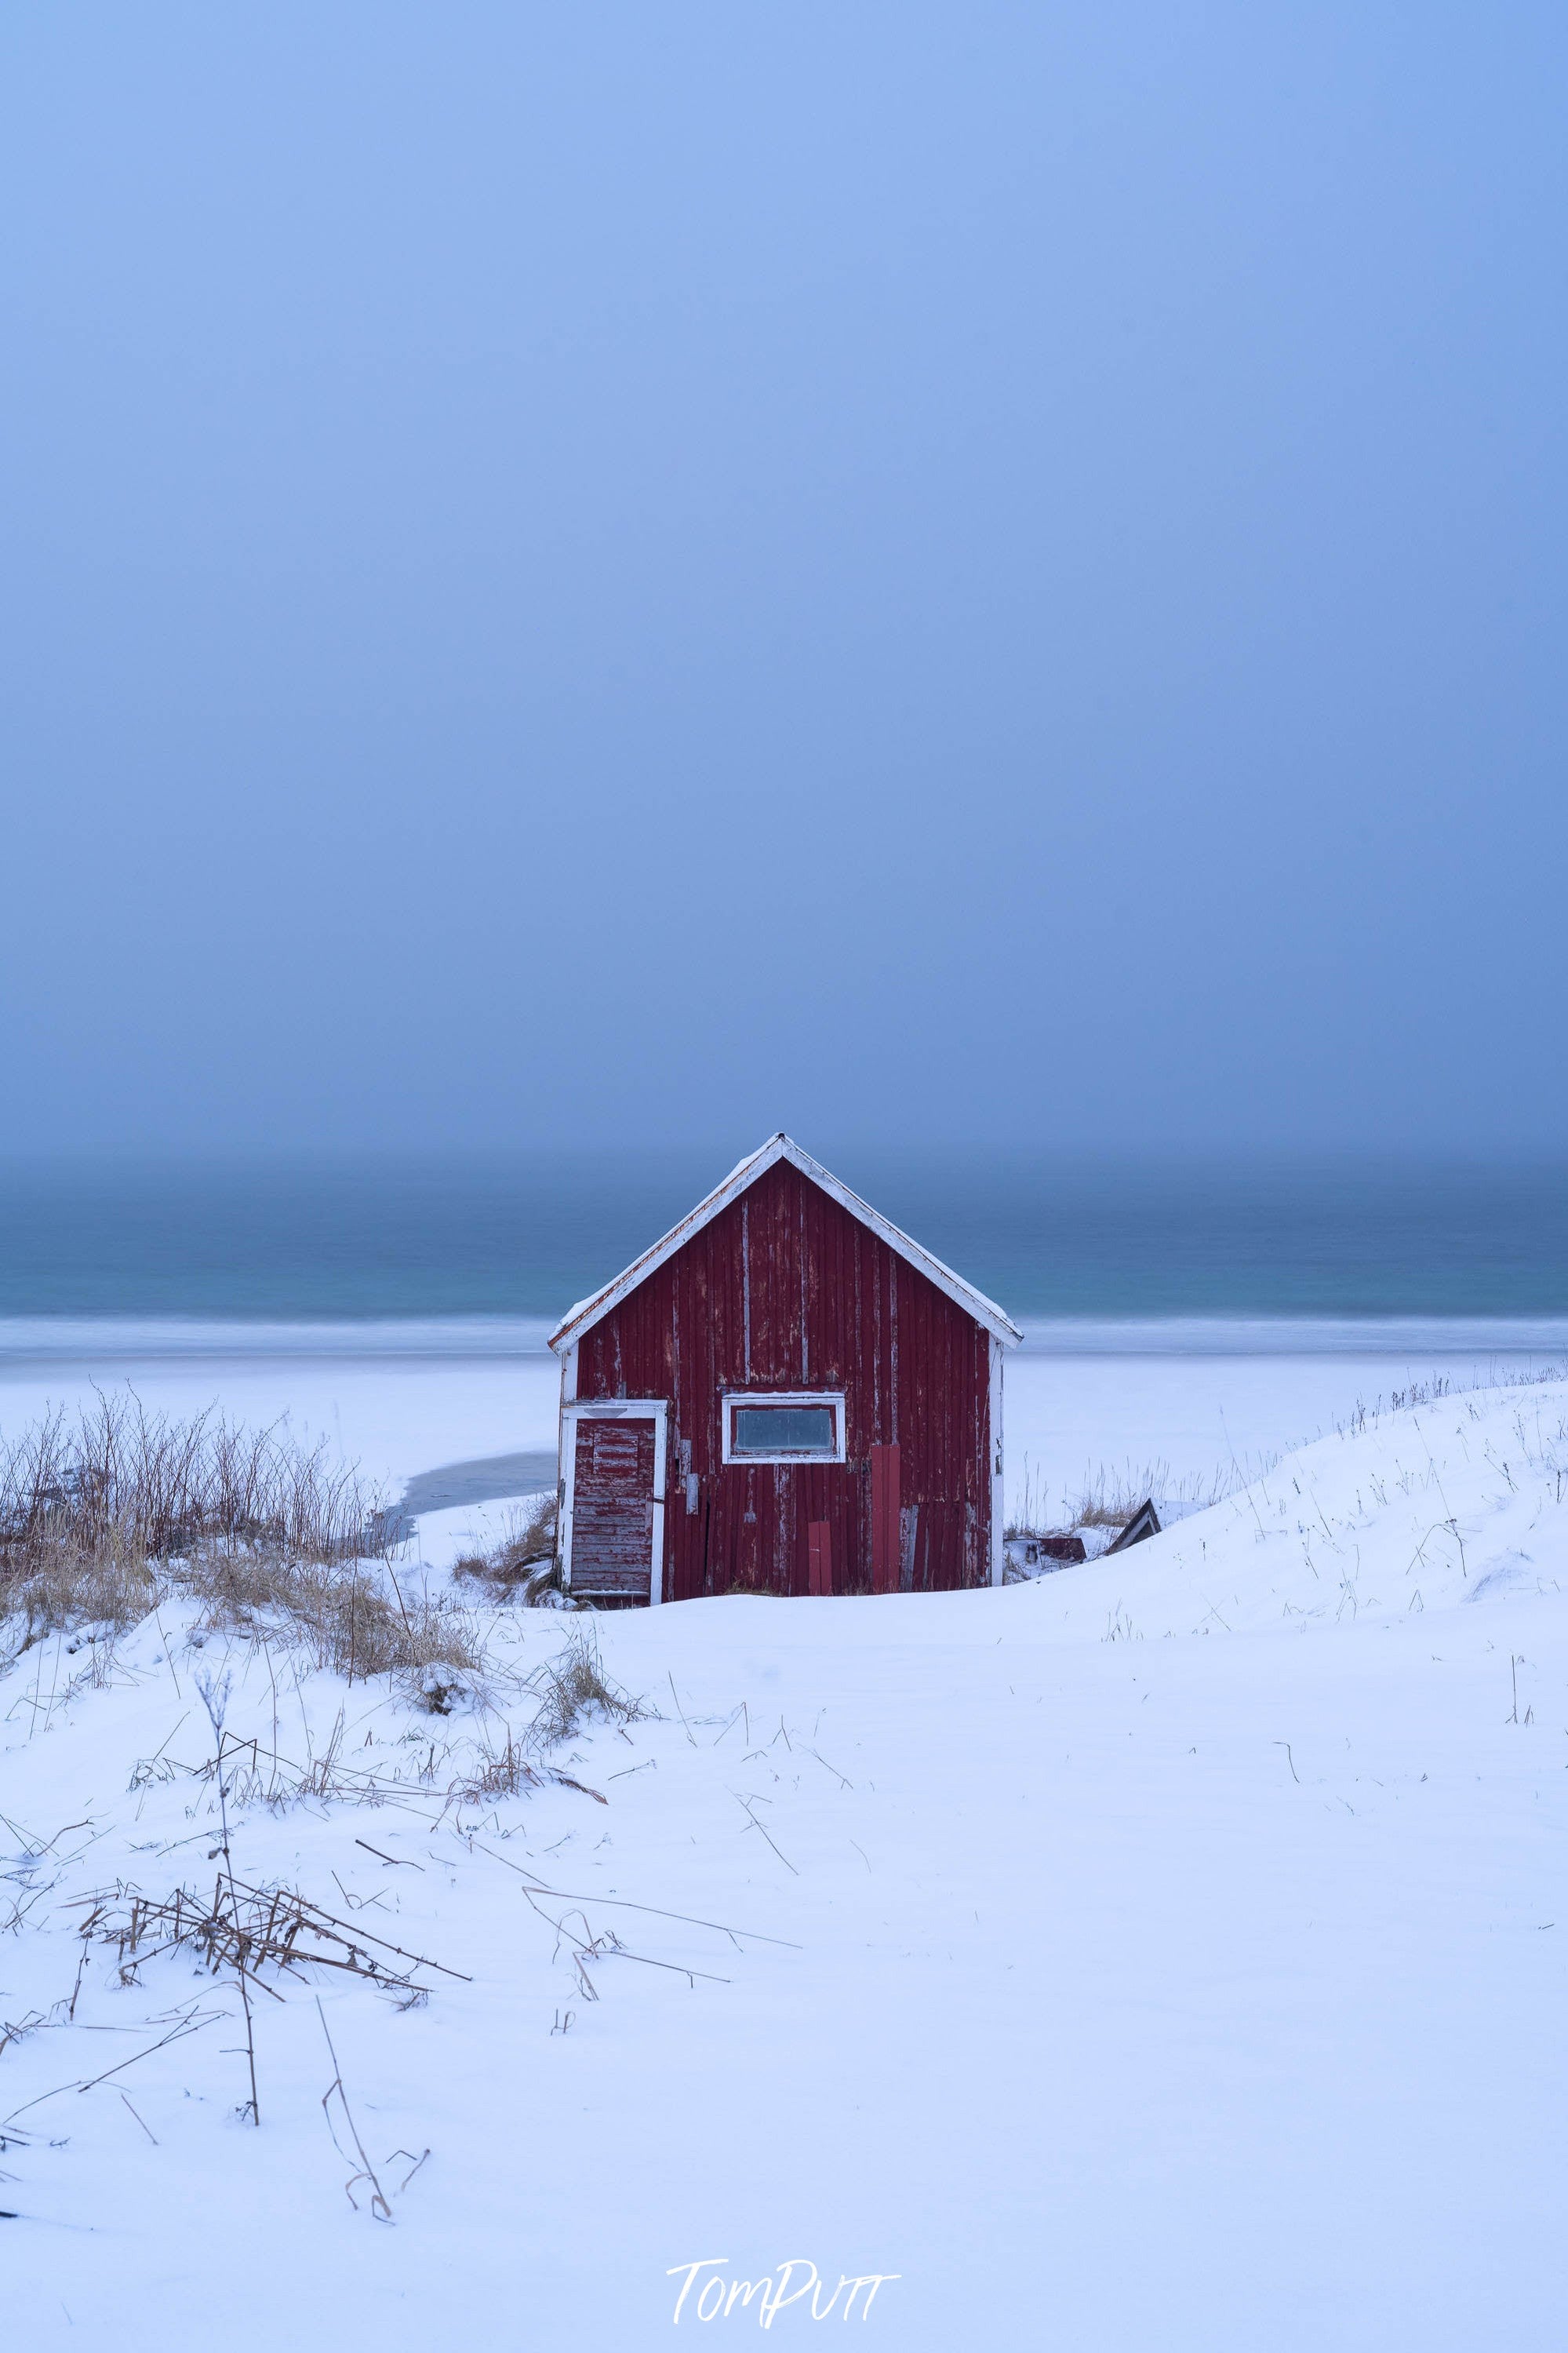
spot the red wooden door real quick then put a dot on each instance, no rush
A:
(612, 1510)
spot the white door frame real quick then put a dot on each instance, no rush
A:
(998, 1563)
(654, 1410)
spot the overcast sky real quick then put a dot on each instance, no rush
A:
(902, 571)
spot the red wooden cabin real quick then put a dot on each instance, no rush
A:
(785, 1394)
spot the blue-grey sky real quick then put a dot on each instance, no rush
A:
(904, 571)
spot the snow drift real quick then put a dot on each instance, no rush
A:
(1167, 1953)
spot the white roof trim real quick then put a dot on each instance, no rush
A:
(588, 1312)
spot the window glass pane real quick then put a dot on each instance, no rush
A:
(783, 1430)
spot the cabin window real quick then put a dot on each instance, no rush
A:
(784, 1426)
(785, 1430)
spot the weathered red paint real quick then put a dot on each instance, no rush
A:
(783, 1290)
(886, 1521)
(819, 1557)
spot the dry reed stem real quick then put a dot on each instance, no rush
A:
(522, 1564)
(244, 1929)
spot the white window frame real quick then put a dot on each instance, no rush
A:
(729, 1398)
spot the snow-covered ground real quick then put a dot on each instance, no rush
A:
(1167, 1954)
(443, 1537)
(442, 1396)
(1190, 1404)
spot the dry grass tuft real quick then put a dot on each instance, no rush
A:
(501, 1772)
(93, 1510)
(522, 1566)
(67, 1583)
(243, 1929)
(1104, 1512)
(1108, 1498)
(571, 1690)
(160, 1486)
(506, 1772)
(102, 1518)
(340, 1613)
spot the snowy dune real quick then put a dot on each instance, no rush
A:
(1451, 1500)
(1165, 1954)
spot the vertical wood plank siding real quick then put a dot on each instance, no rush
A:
(785, 1289)
(886, 1519)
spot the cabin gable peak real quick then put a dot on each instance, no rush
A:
(780, 1146)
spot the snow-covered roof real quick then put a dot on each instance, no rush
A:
(588, 1312)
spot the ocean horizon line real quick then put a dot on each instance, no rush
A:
(130, 1336)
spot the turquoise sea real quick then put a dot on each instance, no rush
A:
(387, 1238)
